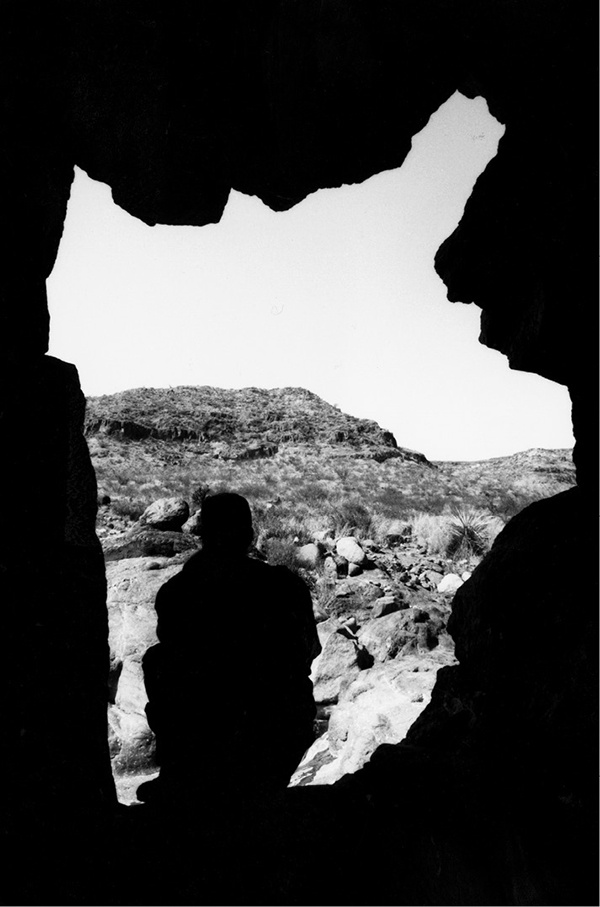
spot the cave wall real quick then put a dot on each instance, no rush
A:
(175, 104)
(53, 748)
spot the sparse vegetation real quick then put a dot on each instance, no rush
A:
(332, 483)
(198, 495)
(459, 532)
(472, 531)
(130, 510)
(431, 530)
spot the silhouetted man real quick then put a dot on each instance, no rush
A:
(230, 698)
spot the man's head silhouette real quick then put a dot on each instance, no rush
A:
(226, 523)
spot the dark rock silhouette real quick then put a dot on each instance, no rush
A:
(504, 752)
(230, 699)
(58, 799)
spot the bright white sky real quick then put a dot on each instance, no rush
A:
(338, 295)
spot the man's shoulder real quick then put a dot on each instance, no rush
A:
(187, 576)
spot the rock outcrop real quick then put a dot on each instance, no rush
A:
(132, 587)
(507, 733)
(52, 587)
(375, 706)
(166, 513)
(142, 542)
(245, 424)
(522, 698)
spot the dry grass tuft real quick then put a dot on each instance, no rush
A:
(457, 533)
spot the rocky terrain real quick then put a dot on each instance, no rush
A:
(237, 424)
(382, 536)
(289, 444)
(382, 628)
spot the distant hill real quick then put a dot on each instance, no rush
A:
(250, 422)
(506, 484)
(291, 445)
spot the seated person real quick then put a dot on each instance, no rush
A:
(230, 697)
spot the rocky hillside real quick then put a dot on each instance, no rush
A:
(289, 445)
(238, 424)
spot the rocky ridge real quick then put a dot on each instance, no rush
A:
(287, 443)
(238, 424)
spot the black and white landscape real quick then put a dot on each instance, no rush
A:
(382, 536)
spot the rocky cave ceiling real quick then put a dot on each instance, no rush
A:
(173, 104)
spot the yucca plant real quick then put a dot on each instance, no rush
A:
(471, 531)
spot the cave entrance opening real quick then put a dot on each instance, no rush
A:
(337, 296)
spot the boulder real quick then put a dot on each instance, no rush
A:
(450, 583)
(132, 591)
(378, 706)
(330, 571)
(408, 559)
(354, 569)
(324, 631)
(399, 632)
(341, 565)
(397, 531)
(324, 537)
(166, 513)
(349, 548)
(193, 524)
(308, 556)
(385, 636)
(336, 666)
(131, 743)
(387, 604)
(432, 577)
(146, 542)
(358, 593)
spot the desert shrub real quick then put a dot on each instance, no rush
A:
(269, 524)
(431, 530)
(505, 503)
(313, 493)
(381, 524)
(351, 517)
(198, 494)
(458, 533)
(123, 478)
(252, 490)
(471, 531)
(132, 510)
(390, 500)
(342, 472)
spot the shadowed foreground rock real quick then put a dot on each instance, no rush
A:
(499, 768)
(53, 747)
